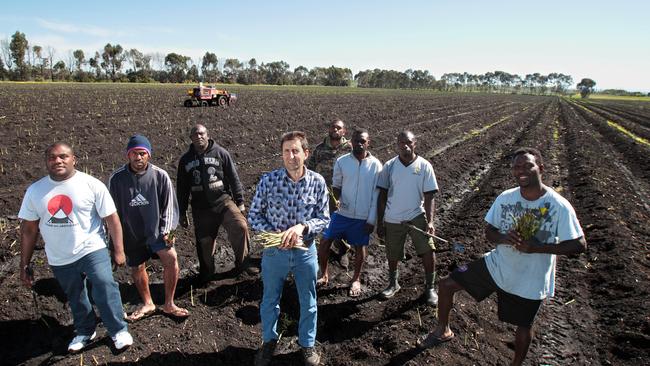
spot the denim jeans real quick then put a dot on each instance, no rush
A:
(95, 268)
(276, 265)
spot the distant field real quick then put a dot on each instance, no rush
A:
(613, 97)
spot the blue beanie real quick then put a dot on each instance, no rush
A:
(138, 142)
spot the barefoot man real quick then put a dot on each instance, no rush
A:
(520, 270)
(354, 184)
(145, 200)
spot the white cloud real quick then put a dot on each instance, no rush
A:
(83, 29)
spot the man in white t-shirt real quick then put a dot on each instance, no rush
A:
(406, 185)
(68, 207)
(354, 185)
(521, 271)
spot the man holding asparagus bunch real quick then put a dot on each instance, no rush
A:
(292, 203)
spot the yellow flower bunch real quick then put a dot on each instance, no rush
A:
(528, 224)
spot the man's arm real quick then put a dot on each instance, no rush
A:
(257, 213)
(317, 224)
(28, 237)
(115, 231)
(381, 208)
(168, 208)
(182, 193)
(232, 179)
(567, 247)
(429, 211)
(336, 192)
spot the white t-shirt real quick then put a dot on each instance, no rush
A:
(70, 214)
(530, 275)
(406, 186)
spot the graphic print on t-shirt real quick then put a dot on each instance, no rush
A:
(138, 200)
(60, 207)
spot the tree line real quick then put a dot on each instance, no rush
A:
(21, 61)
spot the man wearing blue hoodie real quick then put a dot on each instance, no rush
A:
(148, 210)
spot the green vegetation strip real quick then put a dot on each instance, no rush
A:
(634, 137)
(469, 135)
(620, 128)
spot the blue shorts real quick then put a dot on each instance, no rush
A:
(141, 252)
(352, 231)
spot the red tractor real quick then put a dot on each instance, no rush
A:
(208, 96)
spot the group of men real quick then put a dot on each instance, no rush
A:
(395, 200)
(141, 211)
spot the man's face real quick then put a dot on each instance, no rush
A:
(360, 143)
(336, 130)
(293, 155)
(526, 170)
(199, 136)
(138, 160)
(60, 163)
(406, 145)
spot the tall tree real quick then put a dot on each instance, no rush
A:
(177, 65)
(210, 67)
(231, 69)
(113, 58)
(136, 59)
(301, 76)
(586, 87)
(49, 57)
(5, 53)
(38, 65)
(19, 47)
(79, 59)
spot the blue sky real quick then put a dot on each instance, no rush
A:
(608, 41)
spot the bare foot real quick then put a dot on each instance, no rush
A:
(322, 282)
(141, 312)
(175, 312)
(355, 289)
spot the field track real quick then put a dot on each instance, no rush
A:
(599, 316)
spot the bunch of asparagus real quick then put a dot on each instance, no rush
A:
(270, 240)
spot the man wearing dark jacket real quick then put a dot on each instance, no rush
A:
(207, 173)
(148, 210)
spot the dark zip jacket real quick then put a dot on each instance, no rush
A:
(210, 178)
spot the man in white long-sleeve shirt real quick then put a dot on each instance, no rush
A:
(354, 184)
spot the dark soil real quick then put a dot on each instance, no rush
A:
(600, 314)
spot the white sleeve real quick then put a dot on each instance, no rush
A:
(430, 182)
(103, 201)
(27, 210)
(337, 176)
(384, 177)
(568, 227)
(493, 214)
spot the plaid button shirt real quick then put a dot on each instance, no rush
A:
(280, 203)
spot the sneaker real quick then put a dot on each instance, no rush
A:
(391, 290)
(80, 342)
(311, 357)
(431, 296)
(122, 339)
(265, 353)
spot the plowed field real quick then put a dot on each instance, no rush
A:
(596, 155)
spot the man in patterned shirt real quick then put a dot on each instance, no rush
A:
(322, 160)
(293, 201)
